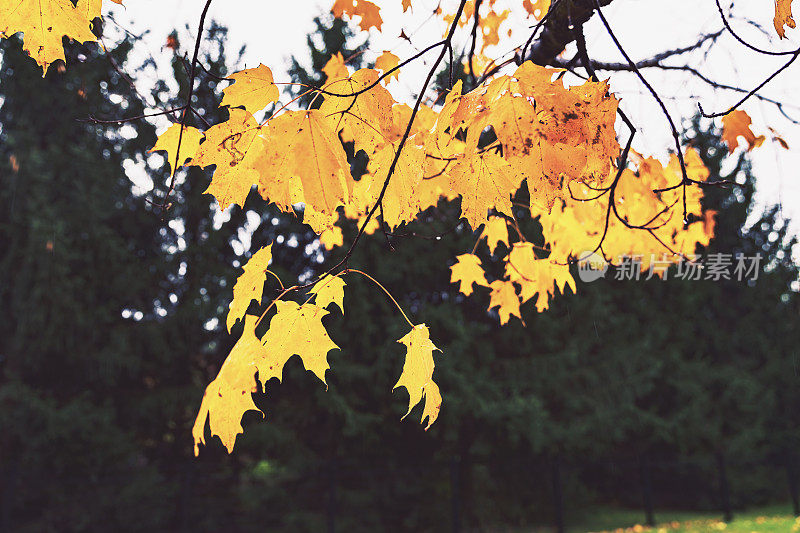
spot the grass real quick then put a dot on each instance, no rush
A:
(772, 519)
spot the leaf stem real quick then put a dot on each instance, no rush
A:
(276, 277)
(281, 295)
(384, 290)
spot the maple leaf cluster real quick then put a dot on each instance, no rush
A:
(555, 139)
(559, 142)
(294, 329)
(525, 131)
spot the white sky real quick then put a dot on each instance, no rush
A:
(274, 30)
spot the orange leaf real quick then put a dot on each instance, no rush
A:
(737, 124)
(783, 16)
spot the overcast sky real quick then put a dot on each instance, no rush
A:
(273, 31)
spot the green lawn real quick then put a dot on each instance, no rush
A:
(771, 519)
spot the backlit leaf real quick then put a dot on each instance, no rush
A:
(250, 285)
(417, 375)
(45, 23)
(253, 89)
(468, 271)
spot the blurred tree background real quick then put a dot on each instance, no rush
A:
(113, 323)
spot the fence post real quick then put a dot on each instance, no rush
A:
(558, 501)
(647, 490)
(724, 488)
(455, 493)
(791, 473)
(331, 510)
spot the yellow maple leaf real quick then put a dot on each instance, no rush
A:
(302, 148)
(319, 222)
(228, 143)
(228, 397)
(385, 62)
(536, 276)
(367, 115)
(336, 68)
(234, 146)
(329, 290)
(484, 181)
(250, 285)
(783, 16)
(253, 89)
(231, 185)
(331, 238)
(45, 23)
(417, 375)
(552, 135)
(369, 12)
(516, 121)
(293, 330)
(468, 271)
(737, 124)
(400, 203)
(168, 142)
(504, 297)
(496, 231)
(296, 330)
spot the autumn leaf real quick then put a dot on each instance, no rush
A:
(552, 135)
(417, 375)
(490, 27)
(293, 330)
(366, 10)
(253, 89)
(189, 144)
(303, 149)
(331, 238)
(336, 68)
(228, 397)
(536, 276)
(45, 23)
(329, 290)
(385, 62)
(776, 137)
(94, 8)
(228, 143)
(368, 115)
(737, 124)
(231, 185)
(529, 154)
(468, 271)
(401, 202)
(234, 146)
(783, 17)
(250, 285)
(495, 232)
(504, 297)
(296, 330)
(484, 181)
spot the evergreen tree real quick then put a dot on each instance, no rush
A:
(78, 252)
